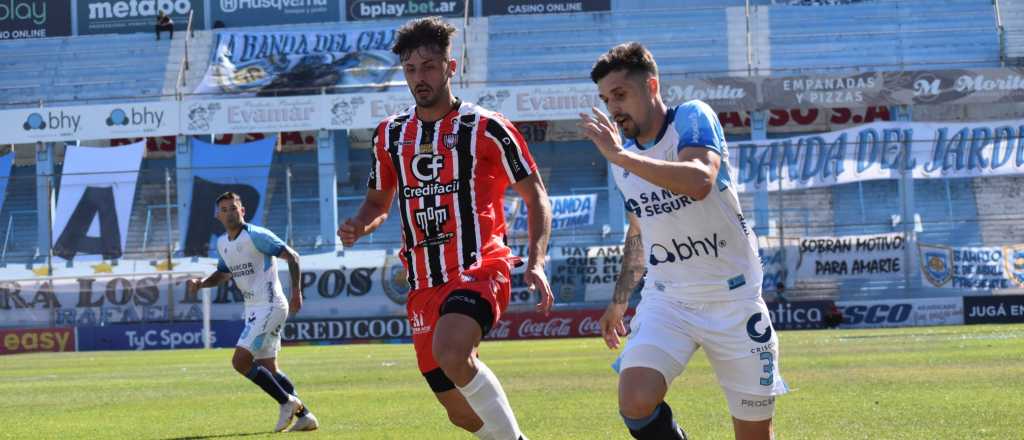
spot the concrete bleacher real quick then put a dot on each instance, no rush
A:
(18, 217)
(70, 70)
(1012, 14)
(877, 35)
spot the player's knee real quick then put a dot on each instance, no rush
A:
(637, 404)
(241, 364)
(451, 358)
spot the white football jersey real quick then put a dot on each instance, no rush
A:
(251, 259)
(696, 250)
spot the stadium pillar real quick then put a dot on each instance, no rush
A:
(616, 208)
(908, 211)
(327, 143)
(183, 162)
(759, 132)
(44, 196)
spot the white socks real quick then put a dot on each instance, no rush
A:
(488, 400)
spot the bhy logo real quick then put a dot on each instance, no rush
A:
(135, 116)
(52, 121)
(685, 250)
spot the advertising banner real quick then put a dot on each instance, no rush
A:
(90, 122)
(223, 334)
(531, 7)
(20, 19)
(567, 212)
(359, 10)
(14, 341)
(875, 256)
(997, 309)
(798, 315)
(350, 330)
(242, 13)
(902, 313)
(557, 324)
(131, 16)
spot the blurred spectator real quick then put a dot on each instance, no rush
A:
(164, 23)
(833, 317)
(780, 293)
(218, 24)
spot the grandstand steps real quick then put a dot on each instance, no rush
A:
(149, 193)
(19, 203)
(1012, 12)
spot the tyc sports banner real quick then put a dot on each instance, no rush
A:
(94, 204)
(292, 63)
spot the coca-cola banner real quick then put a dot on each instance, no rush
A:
(557, 324)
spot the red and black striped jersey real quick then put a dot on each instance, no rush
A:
(450, 176)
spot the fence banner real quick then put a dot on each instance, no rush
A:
(348, 330)
(902, 312)
(876, 256)
(881, 150)
(35, 19)
(972, 268)
(997, 309)
(362, 10)
(567, 212)
(798, 315)
(290, 63)
(234, 13)
(127, 17)
(14, 341)
(533, 7)
(557, 324)
(94, 204)
(223, 334)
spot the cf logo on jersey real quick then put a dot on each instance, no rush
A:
(426, 167)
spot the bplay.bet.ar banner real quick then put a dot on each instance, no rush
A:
(972, 267)
(290, 63)
(881, 150)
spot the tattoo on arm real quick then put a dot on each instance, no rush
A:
(632, 269)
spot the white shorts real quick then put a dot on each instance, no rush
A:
(737, 336)
(262, 332)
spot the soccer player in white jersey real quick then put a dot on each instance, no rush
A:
(249, 254)
(703, 275)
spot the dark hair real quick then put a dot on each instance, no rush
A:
(228, 196)
(632, 57)
(429, 32)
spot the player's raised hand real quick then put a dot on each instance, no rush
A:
(537, 281)
(350, 231)
(612, 326)
(601, 131)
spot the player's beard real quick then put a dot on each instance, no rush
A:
(428, 99)
(628, 126)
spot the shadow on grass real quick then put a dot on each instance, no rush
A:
(203, 437)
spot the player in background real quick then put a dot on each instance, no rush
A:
(249, 253)
(450, 163)
(703, 282)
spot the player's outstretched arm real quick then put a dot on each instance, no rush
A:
(193, 285)
(538, 212)
(372, 213)
(294, 273)
(692, 175)
(612, 326)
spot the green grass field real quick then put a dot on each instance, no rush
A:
(917, 383)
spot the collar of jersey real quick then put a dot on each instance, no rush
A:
(245, 227)
(669, 116)
(455, 109)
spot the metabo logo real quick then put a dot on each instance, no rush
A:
(684, 250)
(137, 8)
(230, 6)
(373, 9)
(52, 121)
(13, 10)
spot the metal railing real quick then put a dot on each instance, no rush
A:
(184, 67)
(10, 231)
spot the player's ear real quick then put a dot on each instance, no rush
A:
(653, 86)
(452, 65)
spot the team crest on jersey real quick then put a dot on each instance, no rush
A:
(1013, 259)
(431, 221)
(936, 263)
(450, 140)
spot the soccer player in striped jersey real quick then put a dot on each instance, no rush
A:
(248, 254)
(450, 163)
(703, 282)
